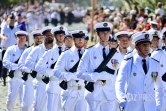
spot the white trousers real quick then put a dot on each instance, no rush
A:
(164, 104)
(54, 102)
(28, 96)
(14, 89)
(75, 104)
(103, 106)
(40, 99)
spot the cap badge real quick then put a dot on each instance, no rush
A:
(105, 24)
(61, 28)
(146, 36)
(81, 32)
(155, 33)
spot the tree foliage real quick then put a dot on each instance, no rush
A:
(152, 4)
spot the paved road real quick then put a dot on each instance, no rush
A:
(3, 90)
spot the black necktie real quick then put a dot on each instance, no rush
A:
(60, 50)
(79, 53)
(104, 54)
(144, 66)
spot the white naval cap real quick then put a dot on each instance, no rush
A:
(79, 33)
(47, 28)
(103, 26)
(153, 22)
(36, 33)
(118, 34)
(59, 30)
(135, 34)
(68, 34)
(21, 33)
(142, 37)
(154, 33)
(112, 38)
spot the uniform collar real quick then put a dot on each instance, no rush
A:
(101, 47)
(9, 27)
(140, 57)
(73, 48)
(63, 46)
(43, 47)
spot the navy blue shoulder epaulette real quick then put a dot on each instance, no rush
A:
(66, 49)
(158, 49)
(129, 52)
(128, 58)
(90, 46)
(155, 59)
(149, 54)
(163, 47)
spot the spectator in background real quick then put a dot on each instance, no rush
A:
(70, 17)
(20, 24)
(153, 25)
(101, 14)
(39, 19)
(47, 17)
(62, 16)
(142, 14)
(159, 9)
(4, 20)
(133, 21)
(55, 18)
(30, 20)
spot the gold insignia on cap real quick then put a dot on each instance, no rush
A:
(146, 36)
(105, 24)
(61, 28)
(81, 32)
(155, 33)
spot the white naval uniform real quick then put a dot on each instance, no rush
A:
(15, 84)
(141, 89)
(28, 87)
(103, 98)
(10, 34)
(123, 54)
(31, 21)
(160, 55)
(53, 89)
(75, 98)
(40, 87)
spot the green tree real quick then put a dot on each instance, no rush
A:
(152, 4)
